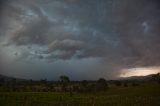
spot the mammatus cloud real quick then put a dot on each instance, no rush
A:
(76, 37)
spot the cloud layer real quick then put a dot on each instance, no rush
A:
(76, 37)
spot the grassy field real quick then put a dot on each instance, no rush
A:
(143, 95)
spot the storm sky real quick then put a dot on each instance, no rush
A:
(83, 39)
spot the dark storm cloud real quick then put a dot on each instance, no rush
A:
(67, 49)
(139, 31)
(121, 33)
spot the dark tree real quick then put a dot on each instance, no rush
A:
(64, 82)
(101, 84)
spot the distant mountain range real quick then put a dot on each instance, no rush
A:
(7, 78)
(144, 78)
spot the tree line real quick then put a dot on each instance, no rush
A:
(66, 85)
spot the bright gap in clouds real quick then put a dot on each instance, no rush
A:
(139, 71)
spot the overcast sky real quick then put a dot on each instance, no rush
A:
(83, 39)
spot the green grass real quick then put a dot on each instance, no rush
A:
(144, 95)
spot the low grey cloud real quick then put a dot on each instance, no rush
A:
(114, 34)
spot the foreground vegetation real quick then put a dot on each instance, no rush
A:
(82, 93)
(143, 95)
